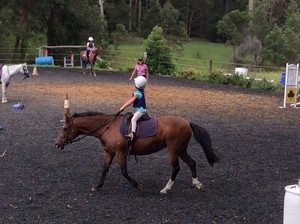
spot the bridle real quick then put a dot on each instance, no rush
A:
(66, 142)
(25, 71)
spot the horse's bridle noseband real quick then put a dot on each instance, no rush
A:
(25, 71)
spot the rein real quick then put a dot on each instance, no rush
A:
(90, 133)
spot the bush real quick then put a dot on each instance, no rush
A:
(234, 80)
(159, 58)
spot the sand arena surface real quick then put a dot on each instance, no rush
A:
(40, 184)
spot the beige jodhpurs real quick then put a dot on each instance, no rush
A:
(137, 115)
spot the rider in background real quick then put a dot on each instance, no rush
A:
(138, 101)
(140, 69)
(89, 46)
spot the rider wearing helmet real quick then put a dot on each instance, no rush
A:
(89, 46)
(138, 101)
(140, 69)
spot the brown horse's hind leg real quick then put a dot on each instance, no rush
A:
(192, 164)
(93, 70)
(108, 158)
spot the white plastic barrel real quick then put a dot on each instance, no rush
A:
(291, 213)
(241, 71)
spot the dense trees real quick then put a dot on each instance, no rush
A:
(267, 33)
(270, 37)
(70, 21)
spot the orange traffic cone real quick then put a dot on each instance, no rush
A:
(66, 108)
(34, 72)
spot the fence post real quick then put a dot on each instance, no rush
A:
(210, 65)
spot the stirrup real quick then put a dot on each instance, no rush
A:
(130, 136)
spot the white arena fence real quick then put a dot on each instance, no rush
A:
(119, 60)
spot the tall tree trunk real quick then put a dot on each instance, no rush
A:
(129, 16)
(187, 21)
(251, 5)
(101, 7)
(50, 30)
(20, 27)
(226, 6)
(139, 15)
(191, 22)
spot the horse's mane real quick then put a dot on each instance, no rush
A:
(97, 50)
(88, 114)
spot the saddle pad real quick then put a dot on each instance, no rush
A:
(84, 54)
(146, 128)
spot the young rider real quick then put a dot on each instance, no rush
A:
(140, 69)
(138, 101)
(89, 46)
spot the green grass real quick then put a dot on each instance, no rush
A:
(202, 50)
(268, 75)
(196, 55)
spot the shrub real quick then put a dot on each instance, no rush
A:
(159, 58)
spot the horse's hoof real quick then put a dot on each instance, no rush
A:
(163, 192)
(4, 101)
(199, 187)
(94, 189)
(197, 184)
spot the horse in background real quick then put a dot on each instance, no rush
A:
(91, 60)
(6, 74)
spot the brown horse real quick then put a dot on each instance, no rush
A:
(173, 133)
(91, 60)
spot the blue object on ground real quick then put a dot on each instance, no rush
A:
(18, 106)
(282, 80)
(47, 60)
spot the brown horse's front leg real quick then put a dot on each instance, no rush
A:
(175, 170)
(83, 68)
(122, 159)
(108, 158)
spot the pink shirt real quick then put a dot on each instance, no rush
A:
(141, 69)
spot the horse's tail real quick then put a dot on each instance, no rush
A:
(202, 136)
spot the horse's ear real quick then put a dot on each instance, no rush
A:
(68, 118)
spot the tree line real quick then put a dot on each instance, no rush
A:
(260, 31)
(60, 22)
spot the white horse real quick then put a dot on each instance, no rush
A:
(7, 72)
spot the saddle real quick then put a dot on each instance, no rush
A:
(146, 125)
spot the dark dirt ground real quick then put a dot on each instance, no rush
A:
(41, 184)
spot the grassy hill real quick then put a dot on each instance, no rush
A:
(195, 54)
